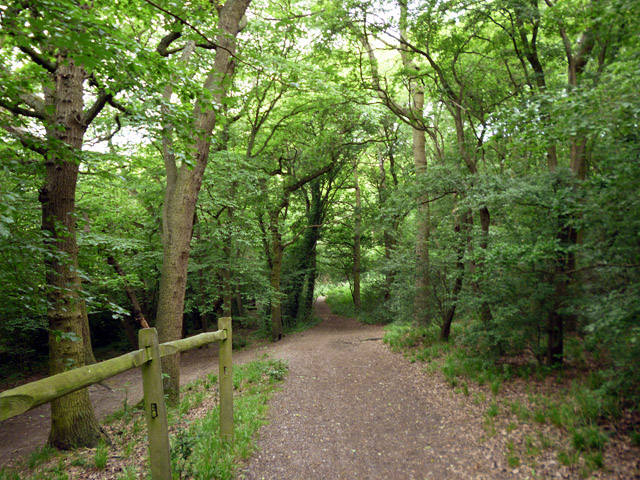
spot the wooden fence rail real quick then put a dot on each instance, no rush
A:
(25, 397)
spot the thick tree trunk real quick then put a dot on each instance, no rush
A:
(73, 422)
(180, 201)
(183, 185)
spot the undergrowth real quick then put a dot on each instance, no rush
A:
(372, 310)
(576, 407)
(197, 452)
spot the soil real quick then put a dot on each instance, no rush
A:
(351, 409)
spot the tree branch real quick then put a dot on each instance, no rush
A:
(17, 110)
(29, 141)
(297, 235)
(39, 59)
(209, 42)
(96, 108)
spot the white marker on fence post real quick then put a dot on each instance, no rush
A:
(154, 406)
(226, 381)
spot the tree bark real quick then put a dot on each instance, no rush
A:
(277, 250)
(136, 308)
(73, 422)
(419, 150)
(183, 185)
(462, 229)
(357, 227)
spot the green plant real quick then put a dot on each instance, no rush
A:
(589, 438)
(59, 470)
(520, 411)
(40, 456)
(493, 410)
(513, 460)
(465, 389)
(594, 460)
(568, 458)
(540, 415)
(182, 445)
(129, 472)
(101, 456)
(6, 474)
(478, 398)
(495, 386)
(209, 456)
(79, 462)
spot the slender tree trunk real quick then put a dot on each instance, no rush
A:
(388, 235)
(238, 301)
(73, 422)
(227, 290)
(307, 305)
(461, 229)
(356, 242)
(277, 330)
(421, 299)
(136, 308)
(567, 235)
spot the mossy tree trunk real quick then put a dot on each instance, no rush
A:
(73, 422)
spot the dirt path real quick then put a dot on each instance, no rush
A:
(349, 409)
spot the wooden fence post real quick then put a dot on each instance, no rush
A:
(154, 406)
(226, 381)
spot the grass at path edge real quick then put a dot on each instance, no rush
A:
(196, 449)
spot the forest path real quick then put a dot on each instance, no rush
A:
(352, 409)
(349, 408)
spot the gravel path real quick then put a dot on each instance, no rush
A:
(351, 409)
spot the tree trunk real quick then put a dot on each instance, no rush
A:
(136, 309)
(461, 228)
(421, 300)
(277, 330)
(356, 242)
(183, 185)
(307, 305)
(388, 235)
(73, 422)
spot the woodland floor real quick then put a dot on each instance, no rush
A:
(350, 409)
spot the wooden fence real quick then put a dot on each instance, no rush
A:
(25, 397)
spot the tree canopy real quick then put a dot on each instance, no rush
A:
(453, 162)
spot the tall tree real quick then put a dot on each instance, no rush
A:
(184, 178)
(44, 83)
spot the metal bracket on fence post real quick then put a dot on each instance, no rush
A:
(226, 381)
(154, 406)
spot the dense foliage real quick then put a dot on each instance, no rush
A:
(467, 162)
